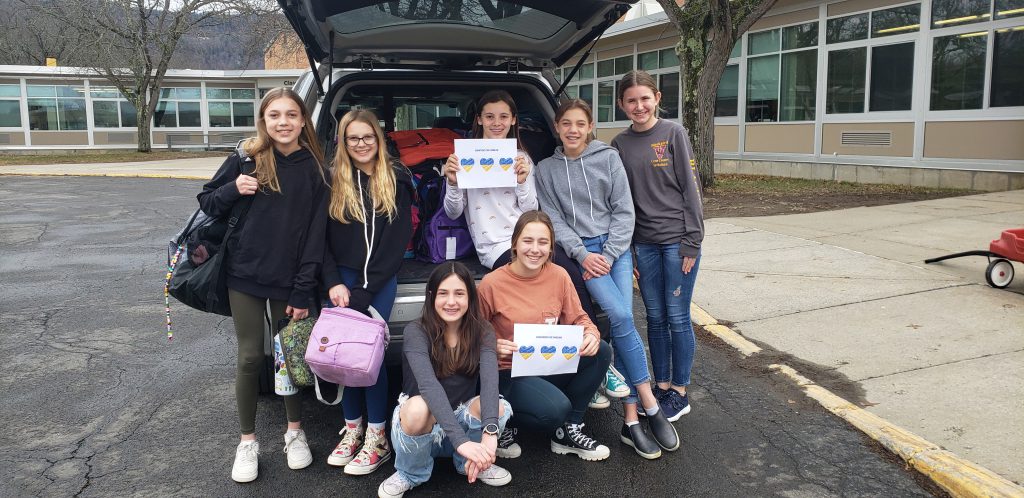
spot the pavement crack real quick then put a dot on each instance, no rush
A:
(840, 305)
(926, 367)
(822, 276)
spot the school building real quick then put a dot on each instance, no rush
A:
(929, 93)
(64, 108)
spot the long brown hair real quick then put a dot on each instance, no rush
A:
(532, 217)
(492, 97)
(346, 204)
(465, 357)
(261, 147)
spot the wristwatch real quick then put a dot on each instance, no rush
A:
(491, 429)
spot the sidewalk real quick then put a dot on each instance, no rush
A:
(934, 348)
(201, 168)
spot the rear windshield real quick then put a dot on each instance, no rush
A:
(490, 14)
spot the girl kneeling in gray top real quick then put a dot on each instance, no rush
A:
(447, 353)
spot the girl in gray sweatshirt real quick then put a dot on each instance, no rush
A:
(584, 189)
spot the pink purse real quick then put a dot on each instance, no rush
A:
(347, 347)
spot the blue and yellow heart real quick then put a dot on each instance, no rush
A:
(487, 161)
(505, 163)
(526, 352)
(568, 352)
(548, 351)
(468, 161)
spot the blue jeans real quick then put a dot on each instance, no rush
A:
(374, 398)
(666, 292)
(414, 455)
(614, 293)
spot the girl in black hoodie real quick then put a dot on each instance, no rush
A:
(370, 225)
(274, 255)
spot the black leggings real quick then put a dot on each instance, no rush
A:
(249, 314)
(544, 403)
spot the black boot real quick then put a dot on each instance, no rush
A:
(663, 431)
(635, 436)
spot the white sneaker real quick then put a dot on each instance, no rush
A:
(297, 449)
(599, 402)
(394, 487)
(495, 476)
(247, 464)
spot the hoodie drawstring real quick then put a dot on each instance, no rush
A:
(589, 194)
(367, 238)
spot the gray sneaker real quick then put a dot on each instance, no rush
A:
(394, 486)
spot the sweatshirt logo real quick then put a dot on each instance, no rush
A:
(659, 151)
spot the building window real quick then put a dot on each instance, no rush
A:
(727, 97)
(845, 90)
(896, 21)
(958, 12)
(10, 106)
(111, 110)
(1009, 8)
(582, 84)
(178, 108)
(892, 77)
(608, 73)
(781, 86)
(1008, 68)
(958, 71)
(668, 84)
(56, 107)
(849, 28)
(799, 78)
(231, 107)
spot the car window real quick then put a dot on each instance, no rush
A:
(490, 14)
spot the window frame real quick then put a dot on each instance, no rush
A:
(119, 100)
(177, 112)
(21, 108)
(744, 79)
(868, 44)
(614, 78)
(57, 98)
(658, 73)
(230, 101)
(986, 110)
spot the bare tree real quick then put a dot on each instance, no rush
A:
(708, 29)
(131, 42)
(29, 39)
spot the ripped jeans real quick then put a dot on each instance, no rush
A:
(414, 455)
(666, 292)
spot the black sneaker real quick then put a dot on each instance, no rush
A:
(569, 438)
(663, 431)
(635, 436)
(674, 405)
(507, 445)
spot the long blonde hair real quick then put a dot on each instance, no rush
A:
(346, 204)
(261, 147)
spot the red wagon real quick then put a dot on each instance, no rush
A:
(1008, 247)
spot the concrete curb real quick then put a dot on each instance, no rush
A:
(955, 475)
(114, 175)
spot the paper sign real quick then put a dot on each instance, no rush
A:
(546, 349)
(486, 162)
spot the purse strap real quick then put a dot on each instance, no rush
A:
(316, 385)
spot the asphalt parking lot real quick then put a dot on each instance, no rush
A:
(96, 402)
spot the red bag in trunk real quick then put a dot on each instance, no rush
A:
(416, 146)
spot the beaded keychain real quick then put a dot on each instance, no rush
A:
(167, 289)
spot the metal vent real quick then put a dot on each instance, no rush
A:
(120, 137)
(5, 138)
(867, 138)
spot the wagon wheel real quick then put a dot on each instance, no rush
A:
(999, 273)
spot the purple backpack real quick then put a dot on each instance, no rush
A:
(346, 347)
(442, 238)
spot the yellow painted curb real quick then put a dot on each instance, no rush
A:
(113, 175)
(955, 475)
